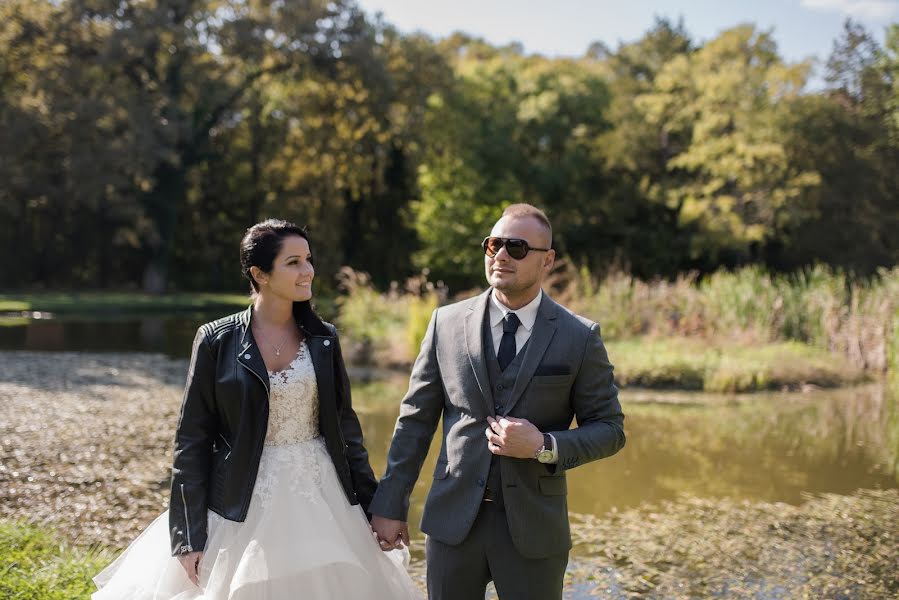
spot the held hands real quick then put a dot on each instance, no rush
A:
(509, 436)
(390, 533)
(190, 562)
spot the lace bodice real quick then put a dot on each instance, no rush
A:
(293, 402)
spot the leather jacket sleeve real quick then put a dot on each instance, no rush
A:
(364, 481)
(193, 452)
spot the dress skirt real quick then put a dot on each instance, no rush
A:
(301, 539)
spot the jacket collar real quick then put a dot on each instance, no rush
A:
(318, 337)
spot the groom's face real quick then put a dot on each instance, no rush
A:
(519, 276)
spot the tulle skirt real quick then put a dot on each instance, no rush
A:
(301, 539)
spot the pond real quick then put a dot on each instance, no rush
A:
(768, 447)
(168, 334)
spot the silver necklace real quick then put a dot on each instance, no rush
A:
(277, 348)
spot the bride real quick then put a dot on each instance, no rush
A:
(271, 480)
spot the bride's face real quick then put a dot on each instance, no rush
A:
(292, 272)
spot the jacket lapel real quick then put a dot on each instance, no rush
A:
(320, 351)
(474, 345)
(541, 336)
(248, 353)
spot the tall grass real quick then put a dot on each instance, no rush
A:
(818, 306)
(854, 318)
(892, 413)
(385, 328)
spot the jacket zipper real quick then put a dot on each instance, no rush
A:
(190, 547)
(268, 399)
(227, 444)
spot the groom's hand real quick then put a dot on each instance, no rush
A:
(392, 534)
(509, 436)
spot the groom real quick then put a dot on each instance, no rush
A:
(507, 371)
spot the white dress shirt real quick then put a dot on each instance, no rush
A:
(527, 315)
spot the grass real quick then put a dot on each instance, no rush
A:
(122, 302)
(36, 565)
(692, 363)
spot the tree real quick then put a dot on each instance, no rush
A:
(735, 184)
(512, 128)
(849, 134)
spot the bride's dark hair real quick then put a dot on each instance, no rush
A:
(259, 247)
(261, 244)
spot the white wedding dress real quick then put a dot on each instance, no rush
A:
(301, 537)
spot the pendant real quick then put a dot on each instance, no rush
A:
(277, 353)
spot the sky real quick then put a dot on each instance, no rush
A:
(802, 28)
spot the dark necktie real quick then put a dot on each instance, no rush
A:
(506, 352)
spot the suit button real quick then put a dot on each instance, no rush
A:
(498, 408)
(481, 482)
(500, 387)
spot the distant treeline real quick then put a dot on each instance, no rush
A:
(139, 139)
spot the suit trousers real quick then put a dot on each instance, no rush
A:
(462, 572)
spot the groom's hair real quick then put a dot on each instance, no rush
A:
(528, 210)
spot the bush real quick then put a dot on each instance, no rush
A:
(387, 328)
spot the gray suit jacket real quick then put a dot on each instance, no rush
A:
(565, 374)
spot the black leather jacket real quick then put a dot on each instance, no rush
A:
(224, 419)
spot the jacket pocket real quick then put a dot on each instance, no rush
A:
(441, 470)
(217, 479)
(550, 379)
(553, 486)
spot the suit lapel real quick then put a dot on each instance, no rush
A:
(541, 336)
(474, 345)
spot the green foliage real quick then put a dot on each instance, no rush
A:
(737, 185)
(510, 129)
(139, 141)
(36, 565)
(385, 329)
(419, 317)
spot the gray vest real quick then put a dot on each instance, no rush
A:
(501, 383)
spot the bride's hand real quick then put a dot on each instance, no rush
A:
(191, 564)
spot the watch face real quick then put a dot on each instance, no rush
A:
(544, 456)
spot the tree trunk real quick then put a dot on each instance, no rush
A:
(163, 202)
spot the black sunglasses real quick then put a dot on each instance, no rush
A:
(516, 248)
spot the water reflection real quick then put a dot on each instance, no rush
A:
(170, 335)
(765, 447)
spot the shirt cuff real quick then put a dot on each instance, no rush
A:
(555, 449)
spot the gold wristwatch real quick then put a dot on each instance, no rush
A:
(545, 454)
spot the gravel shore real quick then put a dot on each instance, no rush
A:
(86, 440)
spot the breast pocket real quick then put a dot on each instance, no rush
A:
(550, 380)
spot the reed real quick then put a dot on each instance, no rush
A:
(819, 306)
